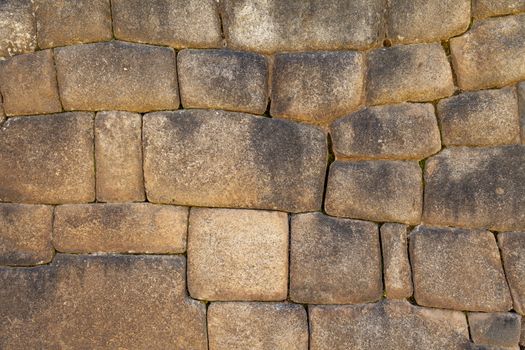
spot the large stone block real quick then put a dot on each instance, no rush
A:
(476, 187)
(17, 27)
(334, 261)
(512, 245)
(47, 159)
(240, 160)
(237, 255)
(396, 265)
(117, 76)
(497, 329)
(458, 269)
(489, 8)
(100, 302)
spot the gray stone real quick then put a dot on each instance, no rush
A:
(396, 265)
(17, 27)
(521, 104)
(512, 245)
(497, 329)
(489, 8)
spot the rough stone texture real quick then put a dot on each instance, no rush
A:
(100, 302)
(240, 160)
(411, 21)
(257, 326)
(17, 27)
(117, 76)
(401, 131)
(388, 325)
(274, 25)
(47, 159)
(223, 79)
(490, 54)
(480, 118)
(488, 8)
(120, 228)
(522, 338)
(418, 72)
(25, 234)
(498, 329)
(29, 85)
(476, 187)
(396, 265)
(176, 23)
(237, 255)
(317, 87)
(118, 154)
(512, 245)
(521, 104)
(67, 22)
(334, 261)
(458, 269)
(375, 190)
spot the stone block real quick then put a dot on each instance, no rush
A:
(512, 245)
(497, 329)
(521, 104)
(17, 27)
(489, 8)
(396, 265)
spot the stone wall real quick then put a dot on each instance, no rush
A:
(262, 174)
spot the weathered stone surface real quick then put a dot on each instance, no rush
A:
(512, 245)
(412, 21)
(25, 234)
(317, 87)
(401, 131)
(480, 118)
(47, 159)
(67, 22)
(223, 79)
(396, 266)
(120, 228)
(497, 329)
(522, 338)
(334, 261)
(240, 160)
(490, 54)
(117, 76)
(521, 104)
(488, 8)
(118, 154)
(257, 326)
(270, 26)
(458, 269)
(100, 302)
(418, 72)
(237, 254)
(176, 23)
(375, 191)
(29, 84)
(388, 325)
(476, 187)
(17, 27)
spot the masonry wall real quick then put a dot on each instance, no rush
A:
(262, 174)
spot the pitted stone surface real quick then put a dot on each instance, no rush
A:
(512, 245)
(497, 329)
(396, 265)
(17, 27)
(489, 8)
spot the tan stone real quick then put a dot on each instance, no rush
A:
(490, 54)
(497, 329)
(237, 255)
(521, 104)
(29, 84)
(176, 23)
(47, 159)
(418, 72)
(100, 302)
(396, 265)
(257, 326)
(375, 190)
(25, 234)
(317, 87)
(480, 118)
(17, 27)
(401, 131)
(458, 269)
(67, 22)
(118, 154)
(120, 228)
(242, 161)
(334, 261)
(223, 79)
(512, 245)
(117, 76)
(489, 8)
(389, 325)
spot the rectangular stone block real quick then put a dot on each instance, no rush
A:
(223, 79)
(237, 255)
(29, 85)
(47, 159)
(120, 228)
(489, 8)
(476, 187)
(17, 27)
(400, 131)
(317, 87)
(375, 190)
(117, 76)
(496, 329)
(396, 265)
(118, 155)
(521, 107)
(241, 160)
(334, 261)
(458, 269)
(490, 54)
(512, 245)
(25, 234)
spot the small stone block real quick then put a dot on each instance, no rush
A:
(512, 245)
(496, 329)
(17, 27)
(396, 265)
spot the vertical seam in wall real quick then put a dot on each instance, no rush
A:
(59, 92)
(503, 266)
(289, 217)
(308, 327)
(142, 149)
(111, 19)
(382, 259)
(177, 79)
(412, 297)
(206, 323)
(221, 22)
(52, 238)
(94, 153)
(330, 159)
(143, 189)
